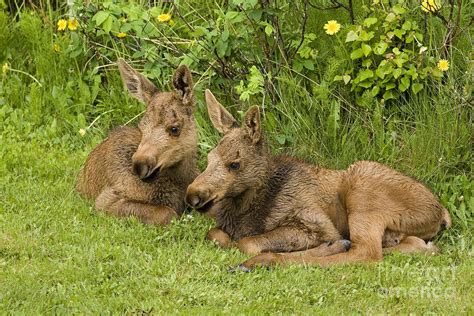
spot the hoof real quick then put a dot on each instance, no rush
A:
(347, 244)
(240, 267)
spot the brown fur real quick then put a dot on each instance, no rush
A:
(144, 171)
(284, 210)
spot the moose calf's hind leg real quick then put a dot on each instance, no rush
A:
(268, 258)
(111, 202)
(412, 244)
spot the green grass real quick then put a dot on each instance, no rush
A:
(58, 255)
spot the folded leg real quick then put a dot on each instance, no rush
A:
(112, 203)
(412, 244)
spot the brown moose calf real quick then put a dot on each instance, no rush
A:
(144, 171)
(286, 211)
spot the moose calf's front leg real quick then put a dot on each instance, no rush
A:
(281, 239)
(111, 202)
(220, 237)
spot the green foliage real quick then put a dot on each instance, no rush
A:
(388, 55)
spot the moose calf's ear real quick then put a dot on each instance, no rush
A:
(252, 123)
(222, 120)
(183, 84)
(136, 83)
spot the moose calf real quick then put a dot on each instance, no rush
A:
(286, 211)
(144, 171)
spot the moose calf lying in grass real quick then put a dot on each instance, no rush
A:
(286, 211)
(144, 171)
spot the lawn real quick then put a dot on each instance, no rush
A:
(57, 255)
(60, 94)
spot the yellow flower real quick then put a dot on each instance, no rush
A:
(443, 65)
(72, 24)
(62, 24)
(171, 22)
(121, 35)
(82, 132)
(430, 5)
(5, 68)
(164, 17)
(56, 48)
(332, 27)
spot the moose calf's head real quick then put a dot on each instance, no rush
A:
(239, 162)
(168, 128)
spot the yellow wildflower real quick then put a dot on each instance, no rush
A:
(56, 47)
(62, 24)
(430, 5)
(332, 27)
(171, 22)
(443, 65)
(164, 17)
(121, 35)
(72, 24)
(5, 68)
(82, 132)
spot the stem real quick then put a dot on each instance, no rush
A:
(25, 73)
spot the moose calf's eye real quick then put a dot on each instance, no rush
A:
(234, 166)
(175, 131)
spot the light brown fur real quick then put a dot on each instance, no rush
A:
(287, 211)
(144, 171)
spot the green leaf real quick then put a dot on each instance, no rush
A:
(337, 78)
(437, 73)
(268, 29)
(375, 91)
(370, 21)
(399, 61)
(406, 26)
(404, 84)
(398, 9)
(365, 74)
(221, 48)
(364, 36)
(389, 86)
(358, 53)
(333, 119)
(399, 33)
(367, 62)
(366, 49)
(100, 17)
(380, 73)
(107, 25)
(380, 48)
(281, 139)
(390, 17)
(416, 87)
(390, 95)
(346, 79)
(351, 36)
(308, 64)
(419, 37)
(225, 35)
(397, 73)
(366, 84)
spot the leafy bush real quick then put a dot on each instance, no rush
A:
(387, 54)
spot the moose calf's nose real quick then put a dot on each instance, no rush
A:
(142, 168)
(193, 200)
